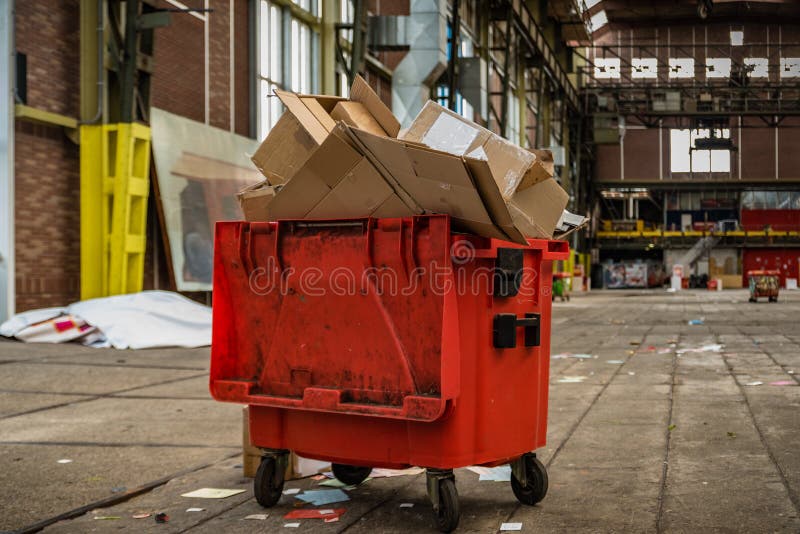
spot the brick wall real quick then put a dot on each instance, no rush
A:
(47, 178)
(46, 206)
(178, 84)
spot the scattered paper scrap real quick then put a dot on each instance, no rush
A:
(291, 525)
(322, 497)
(782, 383)
(317, 477)
(571, 379)
(705, 348)
(315, 514)
(671, 427)
(510, 526)
(257, 517)
(336, 483)
(501, 473)
(380, 472)
(162, 518)
(695, 322)
(731, 434)
(754, 383)
(565, 355)
(616, 362)
(406, 505)
(664, 351)
(212, 493)
(195, 509)
(64, 461)
(107, 517)
(141, 515)
(331, 520)
(631, 373)
(292, 491)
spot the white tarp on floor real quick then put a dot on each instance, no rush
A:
(137, 321)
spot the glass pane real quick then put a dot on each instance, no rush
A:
(784, 200)
(276, 33)
(795, 205)
(263, 39)
(720, 161)
(747, 200)
(679, 150)
(771, 201)
(701, 161)
(263, 116)
(295, 54)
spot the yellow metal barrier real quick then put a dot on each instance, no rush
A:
(694, 233)
(115, 168)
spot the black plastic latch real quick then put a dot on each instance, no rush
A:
(507, 272)
(505, 330)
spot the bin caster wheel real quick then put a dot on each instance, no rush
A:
(535, 487)
(753, 299)
(448, 512)
(268, 485)
(773, 299)
(352, 475)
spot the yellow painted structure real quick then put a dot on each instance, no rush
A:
(693, 233)
(115, 169)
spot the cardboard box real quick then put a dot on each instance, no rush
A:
(337, 182)
(513, 167)
(439, 182)
(255, 199)
(306, 124)
(442, 164)
(355, 114)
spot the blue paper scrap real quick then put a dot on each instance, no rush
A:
(321, 497)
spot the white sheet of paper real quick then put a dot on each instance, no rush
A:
(212, 493)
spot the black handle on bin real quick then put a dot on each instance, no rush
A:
(504, 330)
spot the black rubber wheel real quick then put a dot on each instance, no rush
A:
(773, 299)
(449, 510)
(352, 475)
(536, 488)
(268, 485)
(753, 299)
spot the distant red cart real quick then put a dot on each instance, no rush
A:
(360, 357)
(764, 284)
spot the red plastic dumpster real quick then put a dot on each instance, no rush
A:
(385, 343)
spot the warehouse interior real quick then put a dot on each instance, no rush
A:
(129, 128)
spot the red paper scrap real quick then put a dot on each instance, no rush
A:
(315, 514)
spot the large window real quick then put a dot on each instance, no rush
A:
(286, 57)
(684, 158)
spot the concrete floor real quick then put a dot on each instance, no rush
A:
(663, 441)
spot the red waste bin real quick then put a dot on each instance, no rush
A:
(385, 343)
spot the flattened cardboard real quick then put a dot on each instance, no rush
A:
(306, 125)
(358, 194)
(439, 182)
(321, 173)
(308, 118)
(255, 200)
(537, 209)
(284, 151)
(355, 114)
(336, 182)
(393, 207)
(440, 128)
(363, 93)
